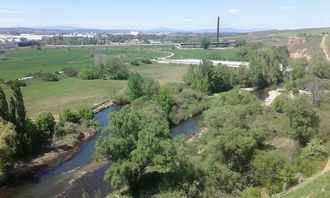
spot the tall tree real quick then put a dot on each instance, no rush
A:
(140, 143)
(304, 121)
(135, 82)
(12, 110)
(19, 107)
(4, 111)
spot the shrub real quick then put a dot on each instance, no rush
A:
(289, 176)
(250, 192)
(279, 103)
(51, 77)
(7, 146)
(266, 166)
(303, 120)
(90, 73)
(146, 61)
(85, 113)
(205, 43)
(321, 69)
(69, 116)
(141, 86)
(314, 151)
(63, 129)
(70, 72)
(46, 126)
(135, 62)
(115, 69)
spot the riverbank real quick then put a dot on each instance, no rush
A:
(55, 155)
(50, 159)
(89, 178)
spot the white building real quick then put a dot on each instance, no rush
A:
(134, 33)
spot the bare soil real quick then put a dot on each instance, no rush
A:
(295, 44)
(324, 46)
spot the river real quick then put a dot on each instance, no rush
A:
(61, 181)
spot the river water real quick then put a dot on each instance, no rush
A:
(59, 180)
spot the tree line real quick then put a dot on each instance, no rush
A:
(21, 137)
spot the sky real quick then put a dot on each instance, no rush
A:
(178, 14)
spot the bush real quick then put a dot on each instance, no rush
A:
(63, 129)
(321, 69)
(85, 113)
(50, 77)
(122, 97)
(7, 146)
(164, 100)
(69, 116)
(187, 103)
(141, 86)
(266, 167)
(70, 72)
(205, 43)
(135, 62)
(46, 126)
(303, 120)
(115, 69)
(146, 61)
(279, 103)
(314, 151)
(90, 73)
(250, 192)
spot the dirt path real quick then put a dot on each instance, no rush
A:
(272, 96)
(327, 166)
(324, 46)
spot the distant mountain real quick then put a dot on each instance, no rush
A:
(213, 30)
(165, 29)
(65, 28)
(71, 29)
(231, 30)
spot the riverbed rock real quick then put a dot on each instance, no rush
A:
(100, 107)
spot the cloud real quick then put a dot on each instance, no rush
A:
(234, 11)
(286, 7)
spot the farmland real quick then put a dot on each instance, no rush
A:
(19, 63)
(41, 96)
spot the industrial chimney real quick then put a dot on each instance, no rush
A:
(218, 30)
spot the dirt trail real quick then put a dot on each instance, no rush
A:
(324, 46)
(327, 166)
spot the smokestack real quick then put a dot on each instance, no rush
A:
(218, 30)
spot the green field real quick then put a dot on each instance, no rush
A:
(18, 63)
(41, 96)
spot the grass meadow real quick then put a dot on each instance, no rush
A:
(41, 96)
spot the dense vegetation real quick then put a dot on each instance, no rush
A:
(236, 152)
(265, 69)
(21, 137)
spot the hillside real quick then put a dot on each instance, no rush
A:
(302, 43)
(317, 186)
